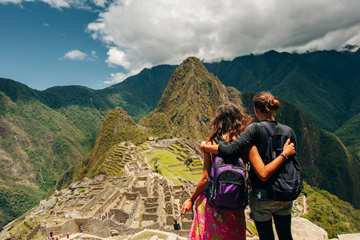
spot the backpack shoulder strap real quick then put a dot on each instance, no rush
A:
(286, 130)
(286, 134)
(268, 128)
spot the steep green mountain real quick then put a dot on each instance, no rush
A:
(349, 135)
(286, 75)
(331, 213)
(116, 128)
(188, 103)
(42, 133)
(324, 84)
(37, 143)
(140, 94)
(326, 162)
(16, 199)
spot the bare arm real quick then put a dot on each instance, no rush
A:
(206, 148)
(188, 204)
(265, 171)
(234, 148)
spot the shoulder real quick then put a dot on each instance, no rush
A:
(291, 131)
(254, 126)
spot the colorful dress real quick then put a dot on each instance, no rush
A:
(210, 223)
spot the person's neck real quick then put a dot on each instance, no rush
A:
(266, 117)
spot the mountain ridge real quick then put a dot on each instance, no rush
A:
(65, 121)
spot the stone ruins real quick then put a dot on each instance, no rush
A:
(130, 198)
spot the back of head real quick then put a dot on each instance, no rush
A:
(229, 119)
(266, 102)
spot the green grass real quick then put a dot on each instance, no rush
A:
(171, 173)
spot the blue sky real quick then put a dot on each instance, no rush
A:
(35, 38)
(98, 43)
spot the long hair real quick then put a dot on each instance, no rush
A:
(229, 119)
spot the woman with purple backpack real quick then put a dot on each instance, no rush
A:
(209, 222)
(263, 206)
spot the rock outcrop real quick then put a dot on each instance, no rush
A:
(303, 229)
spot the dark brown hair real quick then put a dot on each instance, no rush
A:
(265, 102)
(229, 119)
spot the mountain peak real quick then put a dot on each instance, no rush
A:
(188, 102)
(190, 84)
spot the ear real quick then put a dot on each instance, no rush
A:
(256, 110)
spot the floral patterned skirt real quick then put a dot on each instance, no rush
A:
(210, 223)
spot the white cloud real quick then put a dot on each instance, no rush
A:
(151, 32)
(119, 77)
(145, 33)
(58, 3)
(11, 1)
(80, 4)
(46, 24)
(75, 55)
(100, 3)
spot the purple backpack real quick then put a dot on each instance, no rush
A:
(226, 188)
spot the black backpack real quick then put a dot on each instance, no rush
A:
(286, 183)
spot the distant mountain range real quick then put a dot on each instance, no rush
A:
(43, 133)
(186, 108)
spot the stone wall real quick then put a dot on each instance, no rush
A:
(189, 215)
(160, 207)
(62, 229)
(131, 196)
(99, 228)
(151, 200)
(33, 232)
(107, 203)
(134, 208)
(142, 172)
(150, 205)
(170, 220)
(177, 187)
(87, 207)
(151, 210)
(186, 225)
(120, 215)
(142, 190)
(147, 216)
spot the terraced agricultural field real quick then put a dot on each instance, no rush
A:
(167, 158)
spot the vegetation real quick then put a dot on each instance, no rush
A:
(331, 213)
(16, 199)
(349, 135)
(165, 161)
(324, 159)
(116, 128)
(188, 102)
(49, 135)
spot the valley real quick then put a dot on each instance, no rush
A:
(53, 138)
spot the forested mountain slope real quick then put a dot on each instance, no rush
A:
(42, 133)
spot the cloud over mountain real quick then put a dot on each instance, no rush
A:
(152, 32)
(146, 33)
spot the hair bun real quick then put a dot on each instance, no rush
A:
(266, 102)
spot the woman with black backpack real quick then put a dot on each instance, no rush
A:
(210, 222)
(265, 202)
